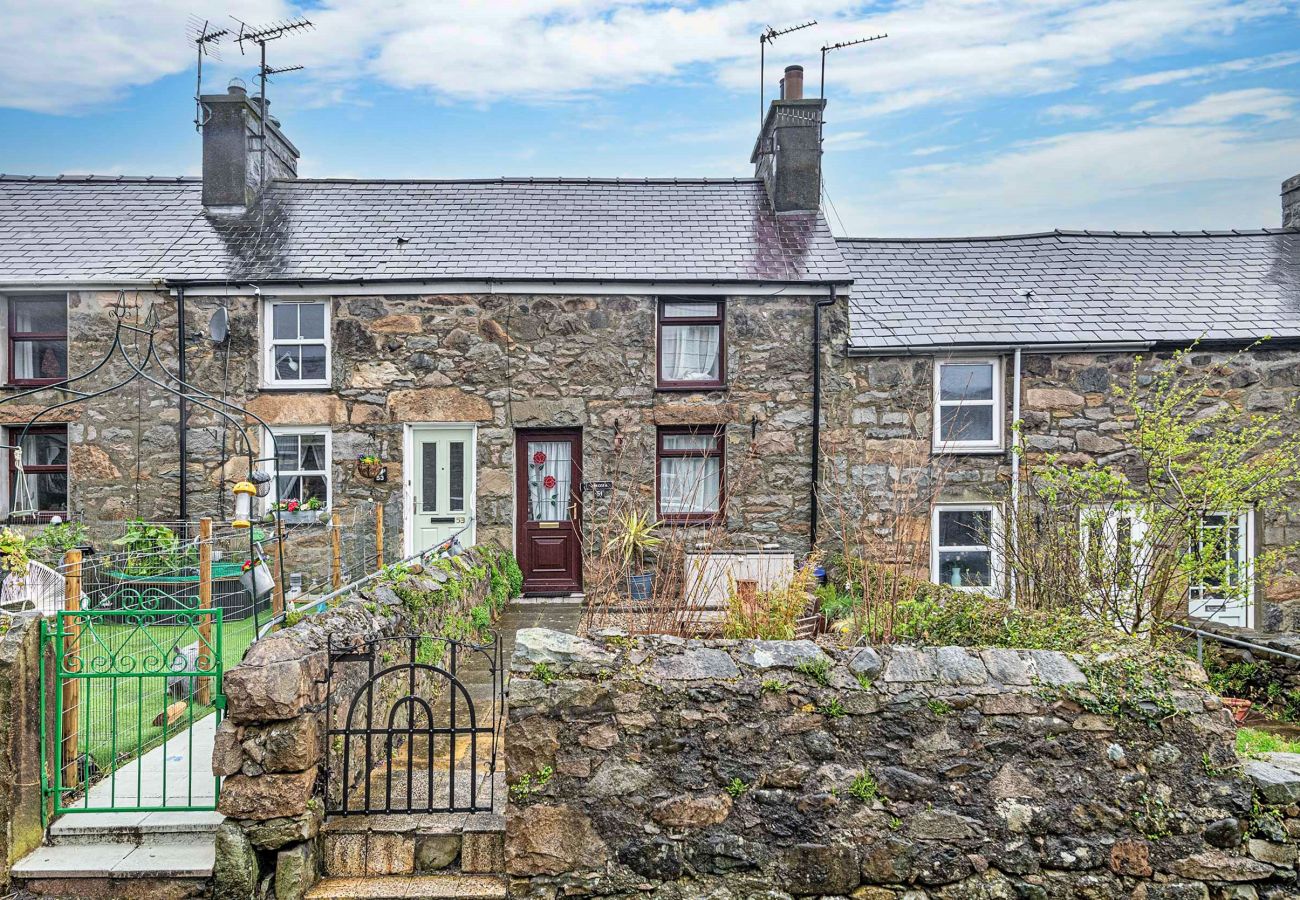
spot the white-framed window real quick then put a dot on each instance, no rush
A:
(1227, 594)
(967, 405)
(302, 466)
(296, 343)
(962, 540)
(1112, 541)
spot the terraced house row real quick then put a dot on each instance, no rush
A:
(509, 349)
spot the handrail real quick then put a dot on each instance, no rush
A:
(1224, 639)
(318, 604)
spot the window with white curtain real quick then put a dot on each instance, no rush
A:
(691, 473)
(38, 338)
(296, 343)
(691, 351)
(38, 472)
(967, 405)
(302, 464)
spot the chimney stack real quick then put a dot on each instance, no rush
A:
(788, 154)
(1291, 202)
(232, 152)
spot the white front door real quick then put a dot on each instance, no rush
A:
(1229, 598)
(441, 485)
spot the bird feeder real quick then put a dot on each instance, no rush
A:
(244, 494)
(262, 481)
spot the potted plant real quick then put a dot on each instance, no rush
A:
(636, 537)
(297, 512)
(368, 465)
(255, 576)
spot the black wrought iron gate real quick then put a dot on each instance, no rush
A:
(414, 723)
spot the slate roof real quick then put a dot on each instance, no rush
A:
(102, 229)
(1072, 287)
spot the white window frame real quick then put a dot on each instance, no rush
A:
(273, 462)
(269, 378)
(1246, 549)
(995, 563)
(995, 442)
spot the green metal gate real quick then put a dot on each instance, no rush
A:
(136, 700)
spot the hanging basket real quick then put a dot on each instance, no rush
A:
(257, 579)
(368, 468)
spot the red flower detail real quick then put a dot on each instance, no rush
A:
(548, 482)
(292, 506)
(538, 458)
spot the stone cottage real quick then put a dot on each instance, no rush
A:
(513, 351)
(953, 340)
(516, 351)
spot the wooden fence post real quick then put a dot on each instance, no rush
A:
(379, 536)
(206, 648)
(277, 593)
(71, 647)
(336, 552)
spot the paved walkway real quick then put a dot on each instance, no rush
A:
(177, 773)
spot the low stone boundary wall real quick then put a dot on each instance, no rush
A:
(21, 827)
(684, 769)
(271, 748)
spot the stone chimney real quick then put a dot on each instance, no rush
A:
(788, 154)
(1291, 202)
(232, 151)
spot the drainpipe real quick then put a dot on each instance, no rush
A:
(182, 437)
(1015, 464)
(817, 414)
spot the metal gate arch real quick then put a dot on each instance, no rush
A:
(366, 779)
(108, 660)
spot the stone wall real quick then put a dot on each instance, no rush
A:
(21, 825)
(740, 769)
(271, 747)
(880, 421)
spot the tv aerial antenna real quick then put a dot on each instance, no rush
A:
(840, 45)
(205, 38)
(768, 36)
(261, 36)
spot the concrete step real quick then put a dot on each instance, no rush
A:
(117, 859)
(441, 887)
(134, 828)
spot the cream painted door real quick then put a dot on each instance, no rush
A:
(442, 485)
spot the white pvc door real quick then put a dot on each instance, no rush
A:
(441, 486)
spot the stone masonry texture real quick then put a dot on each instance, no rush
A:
(727, 769)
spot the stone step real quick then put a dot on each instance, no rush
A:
(400, 845)
(134, 828)
(154, 859)
(442, 887)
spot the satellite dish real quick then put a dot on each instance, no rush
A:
(219, 325)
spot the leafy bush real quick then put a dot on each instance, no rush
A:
(149, 549)
(56, 539)
(1259, 681)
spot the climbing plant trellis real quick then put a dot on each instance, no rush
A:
(151, 640)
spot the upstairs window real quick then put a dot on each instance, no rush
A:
(691, 474)
(297, 343)
(961, 547)
(38, 338)
(967, 405)
(302, 465)
(691, 349)
(39, 490)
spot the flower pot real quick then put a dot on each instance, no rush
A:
(258, 580)
(1239, 708)
(639, 587)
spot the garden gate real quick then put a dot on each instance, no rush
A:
(132, 692)
(413, 723)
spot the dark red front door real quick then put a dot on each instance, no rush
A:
(548, 499)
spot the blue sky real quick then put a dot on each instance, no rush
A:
(973, 117)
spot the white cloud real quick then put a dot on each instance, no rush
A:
(1199, 74)
(939, 51)
(1154, 175)
(1213, 109)
(1060, 112)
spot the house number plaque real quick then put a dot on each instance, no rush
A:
(599, 490)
